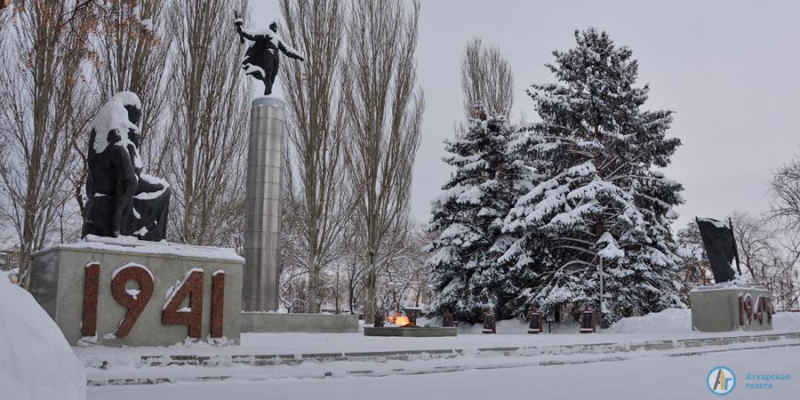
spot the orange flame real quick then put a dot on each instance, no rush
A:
(399, 319)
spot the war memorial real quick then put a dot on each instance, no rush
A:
(539, 268)
(125, 285)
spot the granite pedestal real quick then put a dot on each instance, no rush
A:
(58, 278)
(724, 308)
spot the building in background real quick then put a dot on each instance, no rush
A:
(9, 256)
(9, 261)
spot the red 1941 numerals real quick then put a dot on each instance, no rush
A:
(135, 300)
(90, 285)
(192, 316)
(761, 311)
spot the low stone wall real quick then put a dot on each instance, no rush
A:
(723, 309)
(73, 283)
(258, 322)
(410, 332)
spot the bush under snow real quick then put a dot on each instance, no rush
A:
(36, 362)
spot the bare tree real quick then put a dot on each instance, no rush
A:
(43, 112)
(317, 134)
(209, 102)
(384, 114)
(754, 241)
(486, 79)
(785, 213)
(785, 189)
(354, 270)
(406, 273)
(131, 55)
(783, 271)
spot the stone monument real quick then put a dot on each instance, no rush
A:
(264, 169)
(123, 284)
(263, 197)
(121, 198)
(263, 204)
(731, 303)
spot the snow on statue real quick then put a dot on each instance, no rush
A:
(36, 362)
(262, 58)
(122, 199)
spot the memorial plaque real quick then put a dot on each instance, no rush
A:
(588, 320)
(535, 322)
(447, 320)
(489, 323)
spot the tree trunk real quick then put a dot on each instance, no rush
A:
(370, 308)
(312, 306)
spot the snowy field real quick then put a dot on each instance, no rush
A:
(653, 357)
(641, 378)
(510, 364)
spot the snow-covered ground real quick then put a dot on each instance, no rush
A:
(641, 357)
(638, 378)
(35, 360)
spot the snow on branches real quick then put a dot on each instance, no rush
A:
(528, 217)
(599, 195)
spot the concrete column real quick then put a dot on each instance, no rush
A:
(263, 204)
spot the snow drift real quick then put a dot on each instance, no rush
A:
(36, 362)
(674, 320)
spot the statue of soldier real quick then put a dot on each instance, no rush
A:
(262, 58)
(122, 199)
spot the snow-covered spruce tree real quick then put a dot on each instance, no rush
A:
(468, 217)
(598, 192)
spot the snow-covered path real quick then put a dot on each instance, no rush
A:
(637, 378)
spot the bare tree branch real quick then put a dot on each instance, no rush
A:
(43, 111)
(318, 204)
(209, 103)
(385, 114)
(486, 80)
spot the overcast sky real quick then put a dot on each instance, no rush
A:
(729, 69)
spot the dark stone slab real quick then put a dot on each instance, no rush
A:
(410, 332)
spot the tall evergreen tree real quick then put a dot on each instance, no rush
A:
(598, 193)
(469, 218)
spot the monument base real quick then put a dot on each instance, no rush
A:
(724, 308)
(127, 292)
(262, 322)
